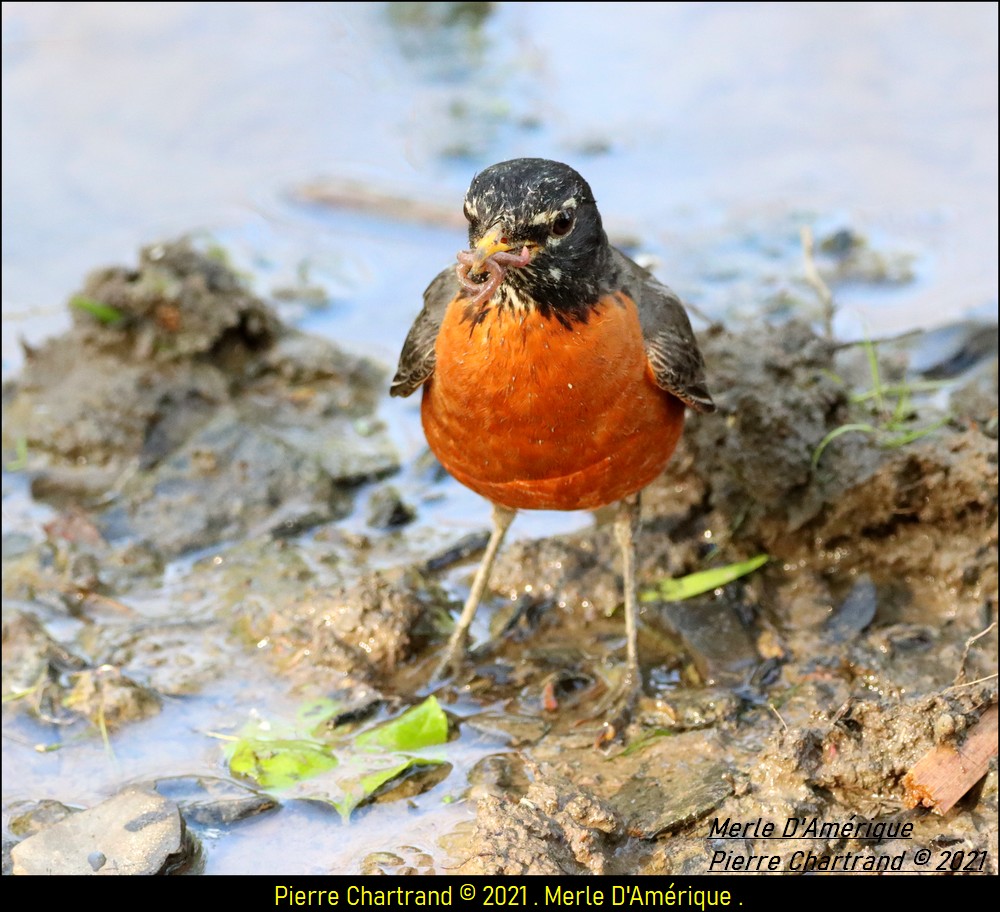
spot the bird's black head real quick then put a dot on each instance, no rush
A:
(547, 209)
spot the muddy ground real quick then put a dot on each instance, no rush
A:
(180, 424)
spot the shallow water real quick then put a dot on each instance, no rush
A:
(709, 133)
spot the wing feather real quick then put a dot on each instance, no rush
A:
(671, 347)
(417, 360)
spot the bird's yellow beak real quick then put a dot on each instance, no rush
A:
(494, 241)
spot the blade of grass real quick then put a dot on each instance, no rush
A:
(915, 434)
(677, 590)
(104, 313)
(838, 432)
(877, 388)
(917, 386)
(643, 742)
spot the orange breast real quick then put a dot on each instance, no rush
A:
(533, 415)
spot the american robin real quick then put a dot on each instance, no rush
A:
(555, 370)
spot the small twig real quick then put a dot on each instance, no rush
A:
(815, 280)
(774, 709)
(982, 680)
(960, 677)
(880, 340)
(358, 196)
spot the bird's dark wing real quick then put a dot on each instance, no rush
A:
(670, 343)
(416, 361)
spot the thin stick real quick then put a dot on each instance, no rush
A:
(815, 280)
(960, 677)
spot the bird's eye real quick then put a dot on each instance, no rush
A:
(562, 224)
(469, 214)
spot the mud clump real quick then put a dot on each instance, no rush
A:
(556, 828)
(361, 633)
(56, 686)
(777, 476)
(180, 412)
(776, 400)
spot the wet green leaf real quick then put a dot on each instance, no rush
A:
(361, 765)
(280, 763)
(105, 313)
(676, 590)
(317, 712)
(358, 790)
(421, 726)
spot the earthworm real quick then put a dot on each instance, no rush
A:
(496, 265)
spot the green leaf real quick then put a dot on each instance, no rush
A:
(315, 713)
(676, 590)
(363, 763)
(279, 763)
(359, 790)
(421, 726)
(104, 313)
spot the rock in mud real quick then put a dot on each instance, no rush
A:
(871, 745)
(718, 643)
(37, 669)
(673, 798)
(211, 802)
(135, 832)
(408, 860)
(776, 401)
(388, 510)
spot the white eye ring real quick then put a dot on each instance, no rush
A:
(563, 223)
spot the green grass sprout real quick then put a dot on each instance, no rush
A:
(104, 313)
(685, 587)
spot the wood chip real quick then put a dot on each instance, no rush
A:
(945, 774)
(357, 196)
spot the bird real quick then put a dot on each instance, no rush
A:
(556, 372)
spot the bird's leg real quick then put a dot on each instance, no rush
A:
(626, 525)
(455, 652)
